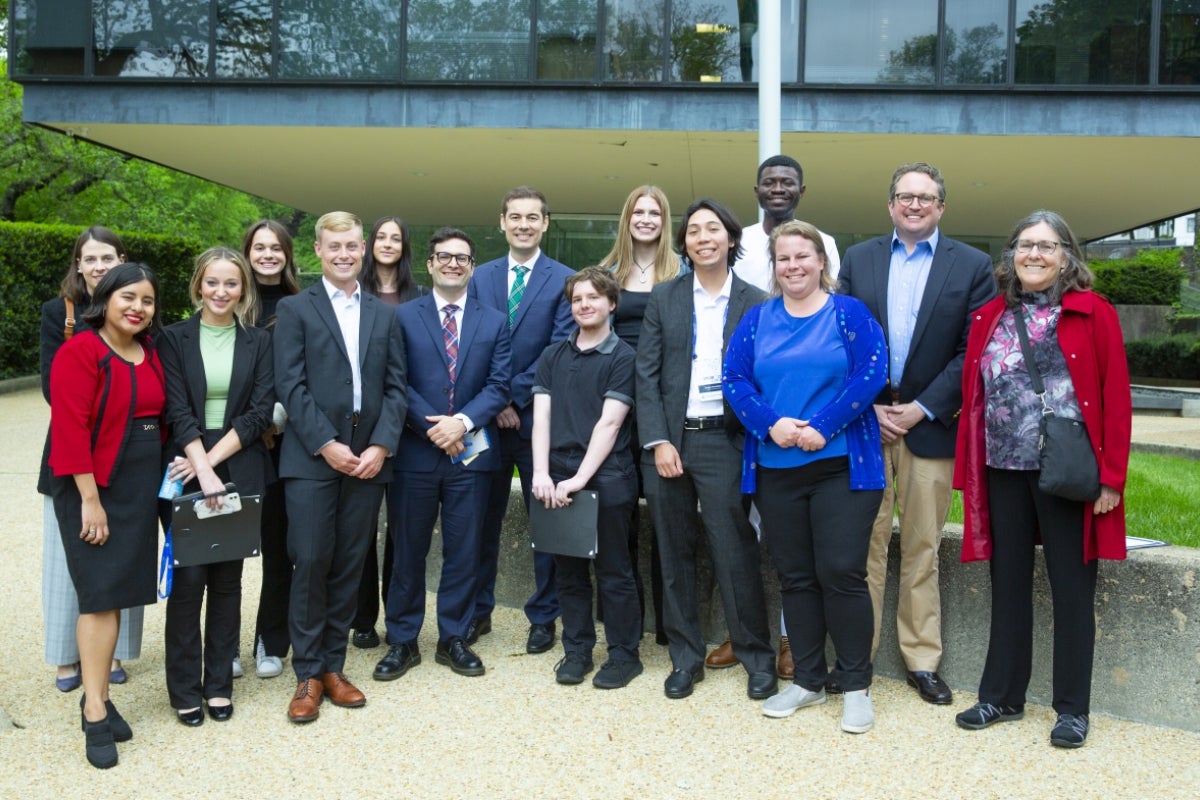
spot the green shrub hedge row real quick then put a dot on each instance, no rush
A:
(33, 260)
(1152, 278)
(1175, 357)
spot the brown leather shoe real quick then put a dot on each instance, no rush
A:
(784, 667)
(341, 691)
(722, 657)
(306, 704)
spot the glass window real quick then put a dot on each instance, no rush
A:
(49, 37)
(339, 39)
(976, 42)
(749, 35)
(1179, 51)
(706, 40)
(465, 40)
(871, 41)
(243, 48)
(566, 40)
(1083, 42)
(151, 39)
(634, 40)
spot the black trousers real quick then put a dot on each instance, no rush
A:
(1025, 511)
(617, 494)
(271, 622)
(186, 654)
(818, 530)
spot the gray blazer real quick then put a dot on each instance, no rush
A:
(314, 382)
(664, 356)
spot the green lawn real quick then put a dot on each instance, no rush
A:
(1160, 499)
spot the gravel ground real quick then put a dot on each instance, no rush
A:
(514, 733)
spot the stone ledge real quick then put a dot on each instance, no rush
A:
(1147, 663)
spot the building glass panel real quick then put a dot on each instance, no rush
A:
(150, 38)
(871, 41)
(1083, 42)
(706, 41)
(339, 39)
(633, 42)
(49, 37)
(1179, 50)
(976, 43)
(243, 44)
(566, 40)
(468, 40)
(749, 34)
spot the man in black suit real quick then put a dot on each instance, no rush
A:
(921, 287)
(340, 374)
(458, 356)
(692, 450)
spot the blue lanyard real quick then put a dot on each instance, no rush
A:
(166, 568)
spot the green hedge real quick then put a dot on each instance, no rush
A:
(1175, 356)
(1151, 278)
(33, 260)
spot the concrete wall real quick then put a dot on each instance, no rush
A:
(1147, 663)
(1143, 322)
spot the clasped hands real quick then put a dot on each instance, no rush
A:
(895, 421)
(555, 496)
(791, 432)
(342, 459)
(447, 433)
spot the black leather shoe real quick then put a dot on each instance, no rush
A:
(365, 639)
(680, 682)
(541, 638)
(193, 718)
(761, 685)
(400, 659)
(455, 654)
(931, 687)
(478, 627)
(220, 713)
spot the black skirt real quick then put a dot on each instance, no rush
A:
(122, 573)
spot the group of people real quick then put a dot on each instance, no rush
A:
(838, 395)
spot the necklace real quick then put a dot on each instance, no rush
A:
(642, 276)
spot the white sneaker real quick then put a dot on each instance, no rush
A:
(791, 699)
(266, 666)
(857, 714)
(237, 667)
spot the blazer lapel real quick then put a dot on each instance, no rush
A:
(534, 284)
(196, 380)
(466, 334)
(241, 371)
(433, 323)
(939, 273)
(879, 275)
(369, 307)
(324, 308)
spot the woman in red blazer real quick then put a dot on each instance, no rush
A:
(1076, 341)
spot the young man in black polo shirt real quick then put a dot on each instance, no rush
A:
(582, 395)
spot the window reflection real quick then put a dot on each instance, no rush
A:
(1083, 42)
(634, 40)
(151, 38)
(976, 43)
(705, 40)
(1179, 53)
(49, 37)
(566, 47)
(243, 48)
(339, 38)
(889, 41)
(462, 40)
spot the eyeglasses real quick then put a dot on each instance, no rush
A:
(461, 259)
(1024, 247)
(907, 198)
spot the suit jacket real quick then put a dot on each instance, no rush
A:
(481, 379)
(664, 357)
(543, 317)
(247, 410)
(314, 382)
(960, 281)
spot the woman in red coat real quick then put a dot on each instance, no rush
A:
(1076, 341)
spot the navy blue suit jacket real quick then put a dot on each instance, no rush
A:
(543, 317)
(480, 386)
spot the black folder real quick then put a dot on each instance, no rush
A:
(222, 537)
(568, 530)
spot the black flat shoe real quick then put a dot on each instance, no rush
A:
(121, 732)
(193, 718)
(101, 749)
(220, 713)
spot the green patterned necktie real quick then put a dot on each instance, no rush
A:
(518, 291)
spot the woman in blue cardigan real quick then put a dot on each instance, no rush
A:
(800, 372)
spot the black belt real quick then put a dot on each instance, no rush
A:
(703, 423)
(895, 397)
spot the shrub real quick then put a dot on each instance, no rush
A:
(1175, 357)
(33, 260)
(1152, 278)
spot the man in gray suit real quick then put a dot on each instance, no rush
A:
(340, 373)
(693, 449)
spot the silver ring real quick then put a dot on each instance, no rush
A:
(91, 530)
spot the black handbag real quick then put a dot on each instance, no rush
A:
(1068, 462)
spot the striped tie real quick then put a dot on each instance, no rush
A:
(450, 335)
(518, 291)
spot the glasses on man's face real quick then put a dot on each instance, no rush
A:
(461, 259)
(1025, 247)
(907, 199)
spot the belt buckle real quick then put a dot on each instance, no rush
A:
(354, 420)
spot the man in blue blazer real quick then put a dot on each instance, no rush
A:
(339, 372)
(921, 287)
(527, 286)
(459, 358)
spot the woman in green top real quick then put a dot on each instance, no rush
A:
(220, 396)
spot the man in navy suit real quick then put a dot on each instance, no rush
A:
(921, 287)
(339, 372)
(527, 286)
(458, 357)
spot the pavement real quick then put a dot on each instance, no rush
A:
(515, 733)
